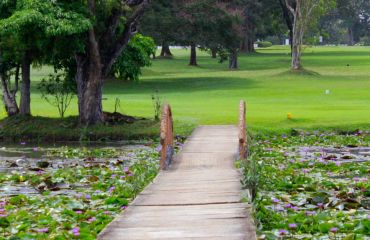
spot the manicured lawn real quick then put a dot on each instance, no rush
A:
(210, 93)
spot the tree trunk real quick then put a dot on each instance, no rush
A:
(9, 95)
(298, 32)
(233, 60)
(351, 40)
(193, 55)
(247, 45)
(297, 45)
(291, 41)
(296, 57)
(95, 63)
(250, 45)
(288, 21)
(214, 52)
(166, 51)
(89, 79)
(25, 104)
(89, 88)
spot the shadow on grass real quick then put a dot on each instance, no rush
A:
(176, 85)
(303, 72)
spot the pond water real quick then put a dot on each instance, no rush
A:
(21, 159)
(317, 191)
(49, 191)
(337, 154)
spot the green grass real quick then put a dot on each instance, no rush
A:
(210, 93)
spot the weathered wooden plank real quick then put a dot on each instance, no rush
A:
(198, 197)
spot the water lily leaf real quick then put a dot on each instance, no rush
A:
(325, 227)
(320, 197)
(4, 222)
(75, 205)
(351, 203)
(43, 164)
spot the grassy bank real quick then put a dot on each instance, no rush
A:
(42, 129)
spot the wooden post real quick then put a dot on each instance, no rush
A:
(242, 131)
(167, 150)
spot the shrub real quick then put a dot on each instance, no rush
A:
(264, 44)
(157, 105)
(135, 56)
(275, 40)
(365, 40)
(58, 91)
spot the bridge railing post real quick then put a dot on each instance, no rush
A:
(166, 136)
(242, 130)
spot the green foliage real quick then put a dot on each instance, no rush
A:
(252, 178)
(69, 152)
(47, 16)
(264, 44)
(135, 56)
(58, 91)
(96, 193)
(309, 188)
(365, 40)
(32, 25)
(160, 22)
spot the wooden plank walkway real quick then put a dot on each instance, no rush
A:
(197, 198)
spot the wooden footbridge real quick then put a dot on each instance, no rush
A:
(195, 196)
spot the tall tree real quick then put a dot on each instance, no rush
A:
(28, 30)
(305, 13)
(211, 24)
(9, 91)
(7, 65)
(353, 13)
(160, 22)
(114, 23)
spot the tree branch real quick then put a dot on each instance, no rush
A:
(290, 8)
(130, 29)
(286, 15)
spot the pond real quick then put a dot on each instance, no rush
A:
(311, 187)
(65, 192)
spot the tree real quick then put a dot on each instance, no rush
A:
(353, 13)
(305, 13)
(160, 23)
(210, 24)
(7, 66)
(28, 32)
(114, 23)
(9, 91)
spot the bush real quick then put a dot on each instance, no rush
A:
(264, 44)
(58, 91)
(275, 40)
(135, 56)
(365, 40)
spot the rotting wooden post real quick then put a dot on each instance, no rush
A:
(166, 137)
(242, 131)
